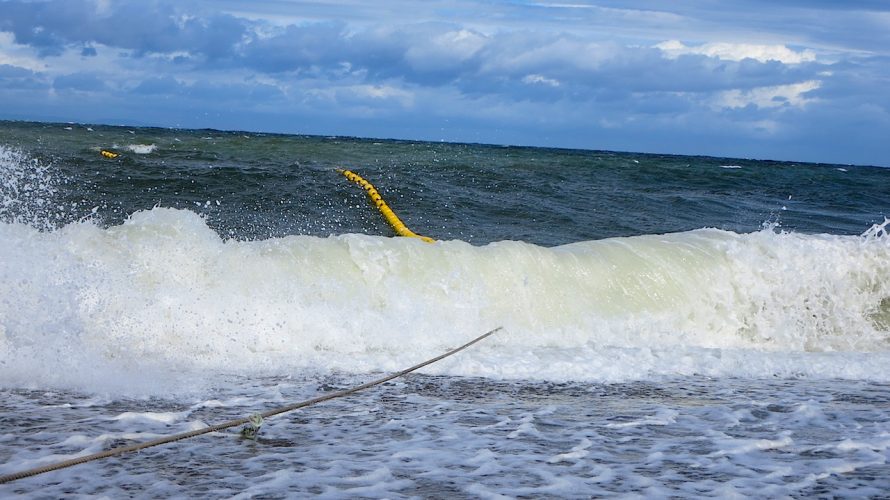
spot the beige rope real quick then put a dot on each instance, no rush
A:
(232, 423)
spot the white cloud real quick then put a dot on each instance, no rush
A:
(540, 80)
(18, 55)
(738, 51)
(768, 97)
(383, 92)
(449, 48)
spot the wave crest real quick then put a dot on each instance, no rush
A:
(163, 289)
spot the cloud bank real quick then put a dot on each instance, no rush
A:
(792, 82)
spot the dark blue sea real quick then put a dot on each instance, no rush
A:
(672, 326)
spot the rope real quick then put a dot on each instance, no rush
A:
(233, 423)
(400, 228)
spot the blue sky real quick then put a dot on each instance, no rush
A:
(784, 79)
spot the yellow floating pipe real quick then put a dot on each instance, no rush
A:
(390, 216)
(109, 154)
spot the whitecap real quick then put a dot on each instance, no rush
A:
(142, 149)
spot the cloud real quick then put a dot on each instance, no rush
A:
(294, 48)
(445, 51)
(738, 52)
(360, 100)
(162, 85)
(13, 55)
(662, 75)
(795, 94)
(10, 71)
(425, 53)
(540, 80)
(431, 54)
(143, 27)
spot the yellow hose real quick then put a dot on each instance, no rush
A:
(400, 228)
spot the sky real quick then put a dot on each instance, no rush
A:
(798, 80)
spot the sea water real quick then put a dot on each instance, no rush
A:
(671, 326)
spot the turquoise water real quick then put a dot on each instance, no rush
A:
(671, 325)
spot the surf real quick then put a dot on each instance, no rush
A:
(165, 292)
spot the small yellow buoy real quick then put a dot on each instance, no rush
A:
(109, 154)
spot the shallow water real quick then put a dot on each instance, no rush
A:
(436, 437)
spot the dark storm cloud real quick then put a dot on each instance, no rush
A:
(151, 26)
(431, 54)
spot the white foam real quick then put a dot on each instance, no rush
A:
(142, 149)
(443, 437)
(162, 295)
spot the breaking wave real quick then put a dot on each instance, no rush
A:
(164, 293)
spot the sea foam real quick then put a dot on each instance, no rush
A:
(163, 293)
(142, 149)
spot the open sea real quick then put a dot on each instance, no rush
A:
(673, 326)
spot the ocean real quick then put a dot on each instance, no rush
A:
(672, 326)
